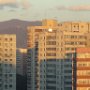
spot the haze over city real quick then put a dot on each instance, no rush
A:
(62, 10)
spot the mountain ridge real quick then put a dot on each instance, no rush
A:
(18, 27)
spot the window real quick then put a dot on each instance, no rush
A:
(6, 86)
(51, 37)
(72, 43)
(72, 36)
(6, 49)
(10, 65)
(68, 43)
(10, 59)
(6, 65)
(51, 42)
(51, 54)
(82, 26)
(10, 49)
(6, 39)
(5, 59)
(67, 48)
(10, 86)
(51, 49)
(10, 39)
(6, 55)
(10, 75)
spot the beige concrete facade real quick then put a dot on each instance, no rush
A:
(7, 62)
(52, 41)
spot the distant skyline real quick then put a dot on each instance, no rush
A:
(31, 10)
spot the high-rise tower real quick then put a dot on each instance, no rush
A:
(7, 62)
(49, 53)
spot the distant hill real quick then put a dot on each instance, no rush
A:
(19, 28)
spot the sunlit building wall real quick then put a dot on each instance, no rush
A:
(33, 74)
(48, 46)
(82, 69)
(7, 62)
(50, 59)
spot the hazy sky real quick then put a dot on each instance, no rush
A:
(62, 10)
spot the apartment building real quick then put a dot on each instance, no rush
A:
(49, 53)
(7, 62)
(82, 68)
